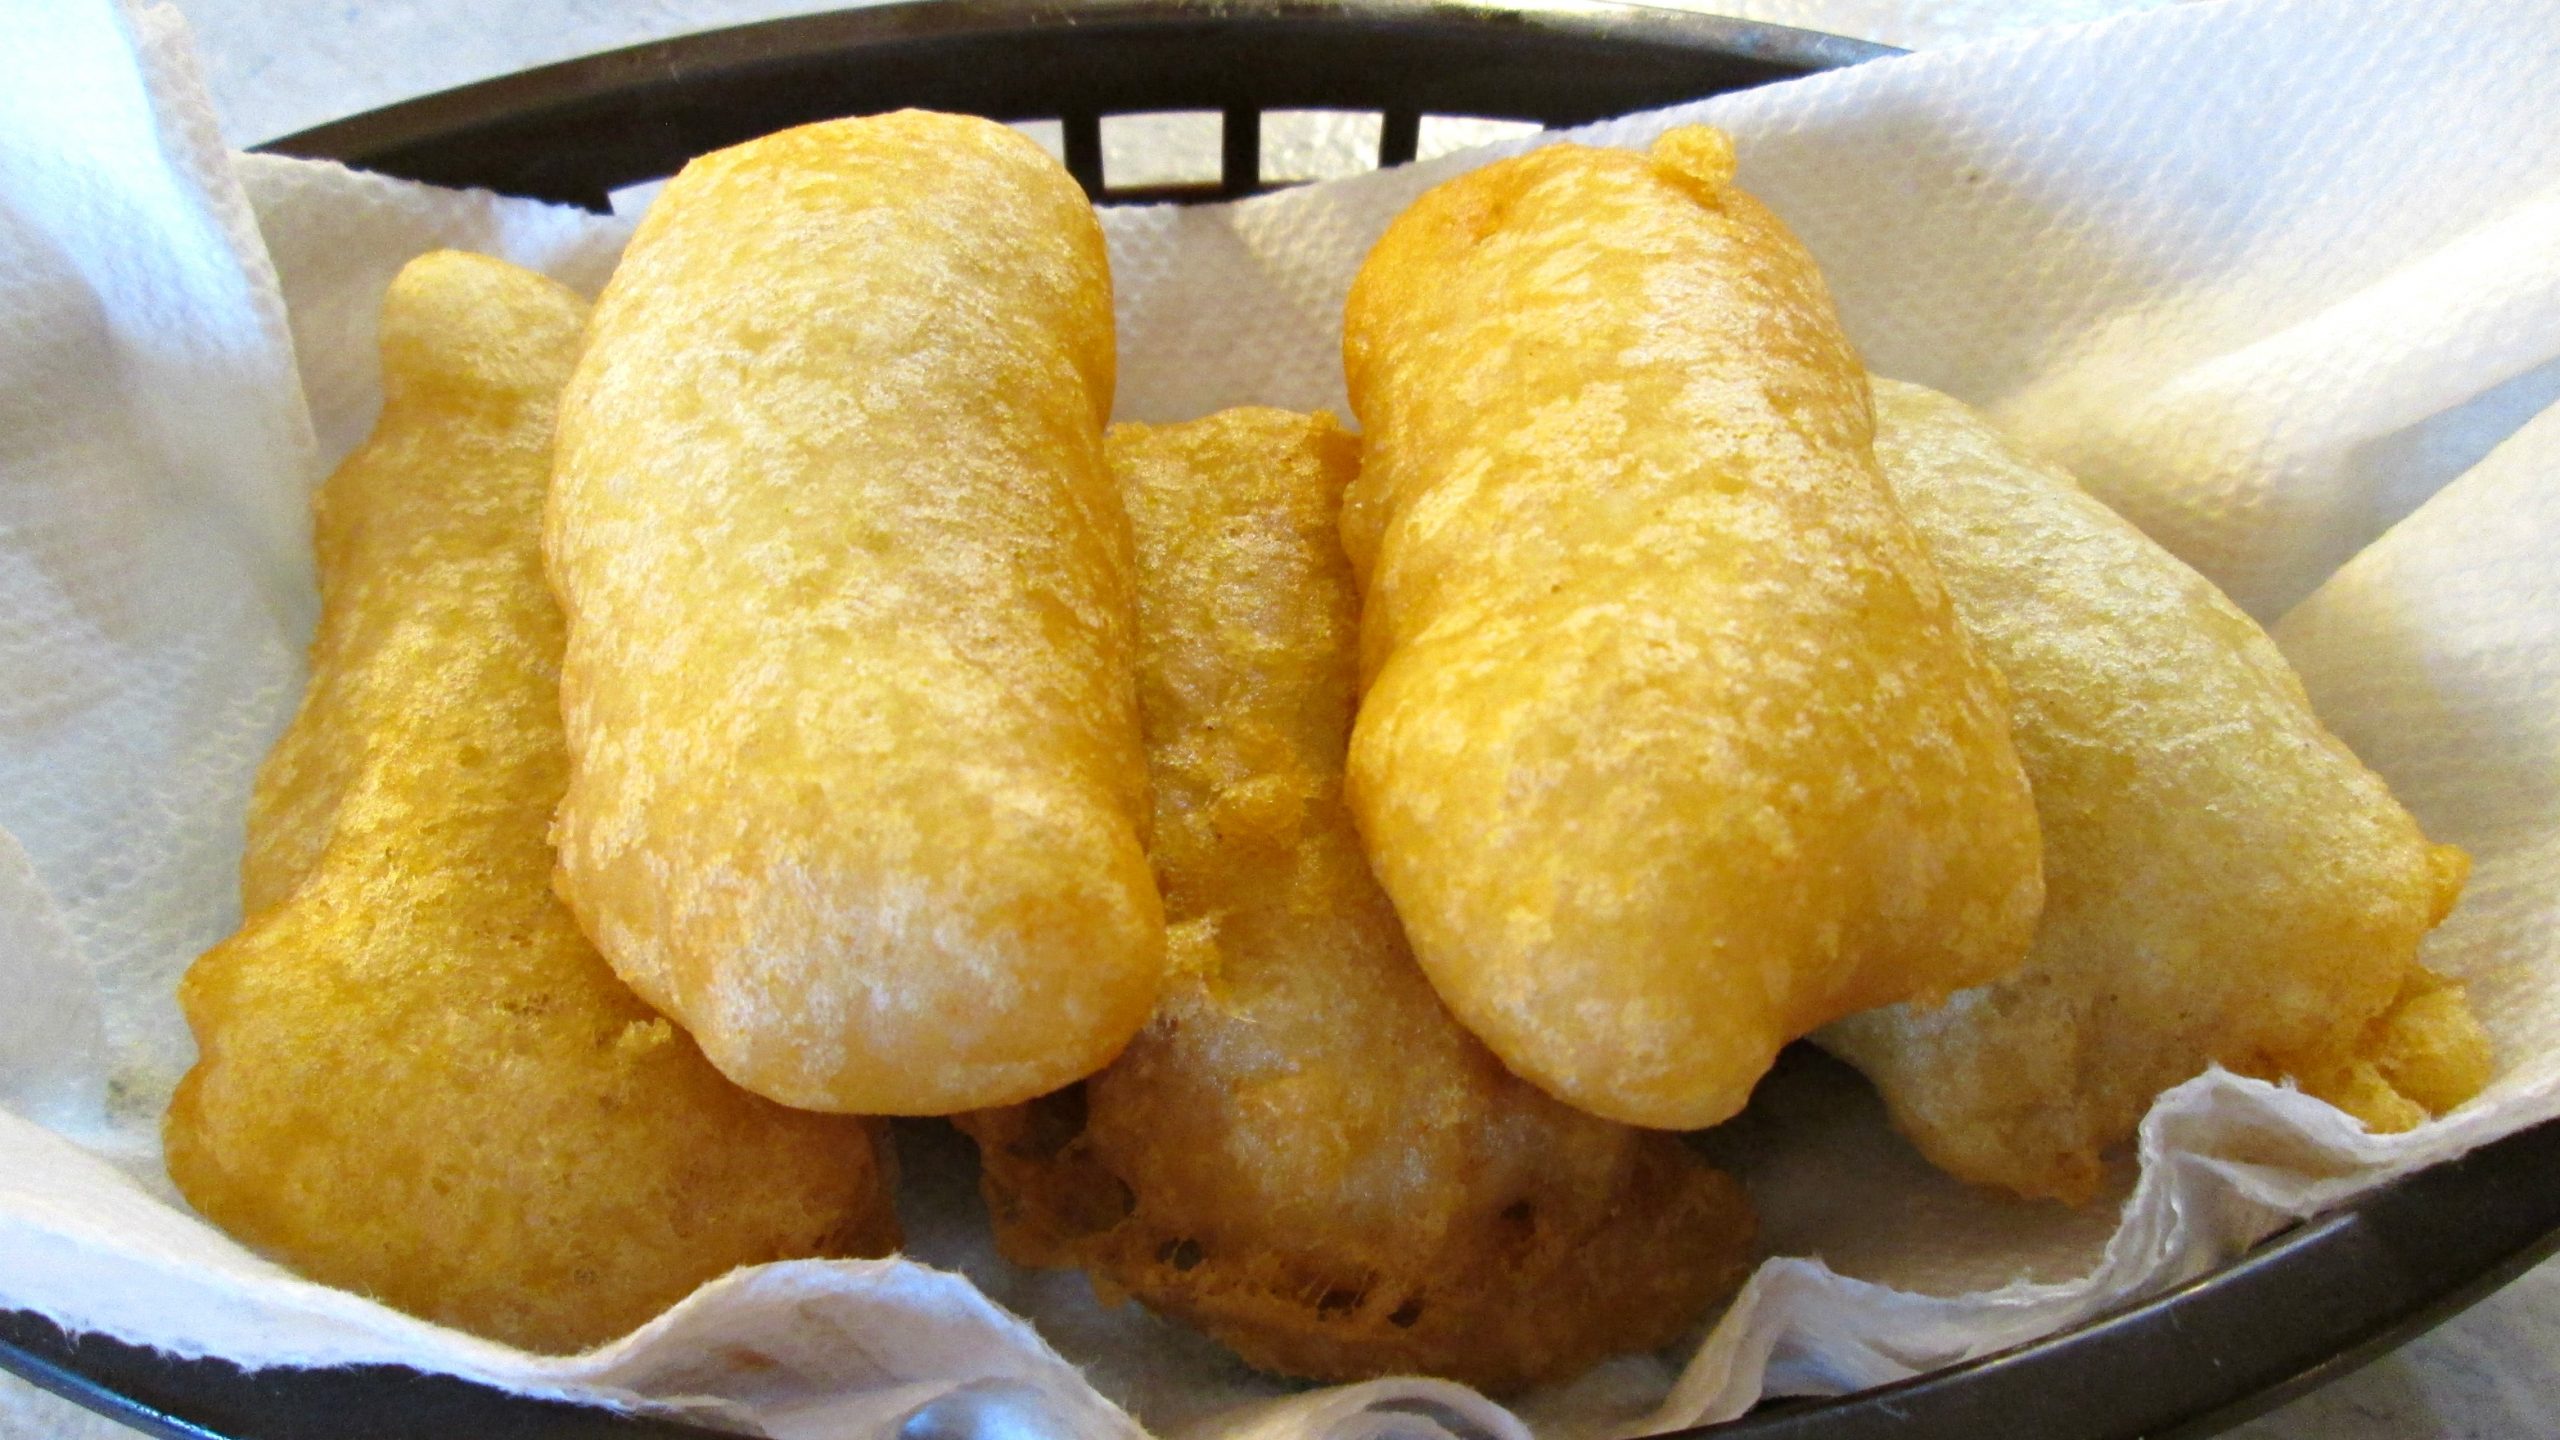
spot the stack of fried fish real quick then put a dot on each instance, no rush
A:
(1323, 873)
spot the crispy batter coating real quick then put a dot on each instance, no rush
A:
(1303, 1153)
(416, 1078)
(1672, 748)
(856, 789)
(2225, 883)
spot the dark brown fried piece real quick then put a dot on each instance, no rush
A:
(1303, 1153)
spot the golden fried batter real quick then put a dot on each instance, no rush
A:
(1302, 1153)
(416, 1079)
(2225, 884)
(1672, 748)
(856, 791)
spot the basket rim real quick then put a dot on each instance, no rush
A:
(378, 137)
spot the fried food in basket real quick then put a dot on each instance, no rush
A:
(1303, 1153)
(416, 1079)
(1672, 748)
(856, 792)
(2225, 884)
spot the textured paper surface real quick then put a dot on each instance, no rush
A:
(2266, 293)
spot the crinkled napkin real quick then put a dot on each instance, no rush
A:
(2285, 293)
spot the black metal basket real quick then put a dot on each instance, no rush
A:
(2299, 1310)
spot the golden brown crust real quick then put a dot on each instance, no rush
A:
(856, 791)
(1303, 1153)
(416, 1078)
(2225, 884)
(1672, 748)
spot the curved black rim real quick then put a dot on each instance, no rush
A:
(576, 131)
(2299, 1310)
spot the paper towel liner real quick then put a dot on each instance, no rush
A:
(2265, 291)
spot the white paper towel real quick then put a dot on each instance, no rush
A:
(151, 428)
(2266, 289)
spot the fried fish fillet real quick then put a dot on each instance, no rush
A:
(416, 1079)
(2225, 884)
(1302, 1153)
(856, 792)
(1672, 748)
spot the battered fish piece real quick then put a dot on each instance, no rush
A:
(2225, 883)
(1303, 1154)
(856, 792)
(416, 1079)
(1672, 749)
